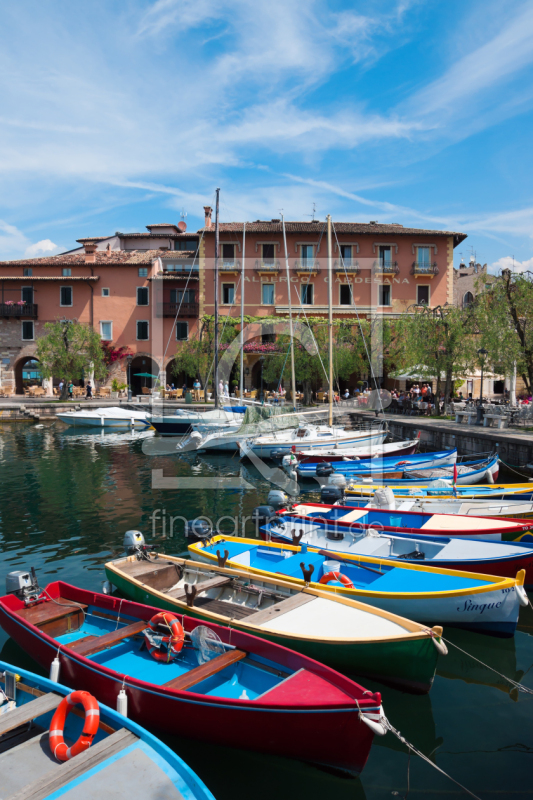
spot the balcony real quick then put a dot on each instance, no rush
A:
(229, 266)
(422, 269)
(16, 310)
(386, 267)
(347, 265)
(171, 309)
(267, 266)
(184, 267)
(307, 266)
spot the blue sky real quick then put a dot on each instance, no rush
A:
(117, 114)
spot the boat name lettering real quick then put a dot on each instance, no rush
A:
(470, 606)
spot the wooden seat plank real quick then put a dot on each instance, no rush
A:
(224, 607)
(50, 611)
(63, 774)
(202, 586)
(204, 671)
(88, 648)
(25, 713)
(277, 610)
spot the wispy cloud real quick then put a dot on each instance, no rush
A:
(509, 262)
(14, 244)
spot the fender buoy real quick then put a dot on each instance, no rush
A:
(57, 726)
(336, 576)
(175, 640)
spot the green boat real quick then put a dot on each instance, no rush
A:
(345, 634)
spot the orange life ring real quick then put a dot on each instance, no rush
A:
(57, 726)
(175, 641)
(336, 576)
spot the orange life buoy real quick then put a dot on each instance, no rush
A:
(175, 641)
(336, 576)
(57, 726)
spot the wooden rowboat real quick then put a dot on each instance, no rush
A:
(239, 690)
(123, 757)
(350, 636)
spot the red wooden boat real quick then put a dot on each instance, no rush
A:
(252, 695)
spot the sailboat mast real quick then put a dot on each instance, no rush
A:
(293, 375)
(216, 298)
(330, 320)
(241, 385)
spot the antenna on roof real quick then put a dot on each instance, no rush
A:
(183, 214)
(313, 214)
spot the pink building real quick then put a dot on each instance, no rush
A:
(130, 287)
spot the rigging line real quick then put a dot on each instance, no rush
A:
(358, 318)
(226, 317)
(515, 684)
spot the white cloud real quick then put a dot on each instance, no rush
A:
(508, 262)
(43, 248)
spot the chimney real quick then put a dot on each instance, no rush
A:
(208, 211)
(90, 252)
(107, 250)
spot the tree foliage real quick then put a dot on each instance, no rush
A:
(70, 350)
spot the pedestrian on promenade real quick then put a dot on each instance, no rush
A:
(197, 386)
(71, 391)
(88, 391)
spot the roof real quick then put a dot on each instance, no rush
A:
(61, 278)
(186, 235)
(318, 226)
(117, 258)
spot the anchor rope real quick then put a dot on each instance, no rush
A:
(519, 686)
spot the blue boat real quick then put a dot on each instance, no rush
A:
(124, 760)
(369, 466)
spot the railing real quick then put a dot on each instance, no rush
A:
(15, 310)
(419, 268)
(184, 267)
(386, 267)
(267, 265)
(348, 265)
(307, 265)
(229, 266)
(171, 309)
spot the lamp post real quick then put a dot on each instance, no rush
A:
(129, 360)
(482, 352)
(262, 360)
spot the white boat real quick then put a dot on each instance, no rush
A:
(182, 422)
(113, 417)
(475, 508)
(332, 454)
(309, 437)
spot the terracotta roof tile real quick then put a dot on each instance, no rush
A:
(117, 257)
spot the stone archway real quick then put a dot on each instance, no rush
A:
(27, 373)
(142, 364)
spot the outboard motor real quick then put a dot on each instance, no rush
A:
(134, 545)
(323, 470)
(277, 499)
(261, 515)
(331, 494)
(197, 530)
(24, 585)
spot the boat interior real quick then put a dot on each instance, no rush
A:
(283, 560)
(117, 641)
(117, 757)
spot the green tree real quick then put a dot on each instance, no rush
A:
(504, 318)
(70, 350)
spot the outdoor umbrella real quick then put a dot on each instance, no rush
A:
(146, 375)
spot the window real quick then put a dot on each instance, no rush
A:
(143, 272)
(346, 254)
(105, 292)
(307, 254)
(385, 255)
(228, 293)
(345, 294)
(186, 244)
(66, 272)
(268, 338)
(182, 296)
(65, 296)
(307, 294)
(27, 272)
(27, 295)
(142, 330)
(268, 254)
(468, 299)
(423, 257)
(267, 294)
(106, 331)
(182, 331)
(228, 254)
(422, 295)
(142, 295)
(27, 330)
(384, 295)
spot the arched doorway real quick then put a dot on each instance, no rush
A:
(141, 366)
(27, 373)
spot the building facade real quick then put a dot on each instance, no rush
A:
(149, 291)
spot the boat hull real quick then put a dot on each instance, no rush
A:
(407, 664)
(104, 422)
(389, 465)
(332, 456)
(347, 441)
(291, 731)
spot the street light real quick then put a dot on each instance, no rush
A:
(129, 359)
(482, 352)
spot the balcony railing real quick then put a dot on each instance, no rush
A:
(422, 268)
(307, 265)
(185, 309)
(229, 266)
(347, 265)
(267, 265)
(15, 310)
(182, 267)
(386, 267)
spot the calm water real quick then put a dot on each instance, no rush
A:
(65, 501)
